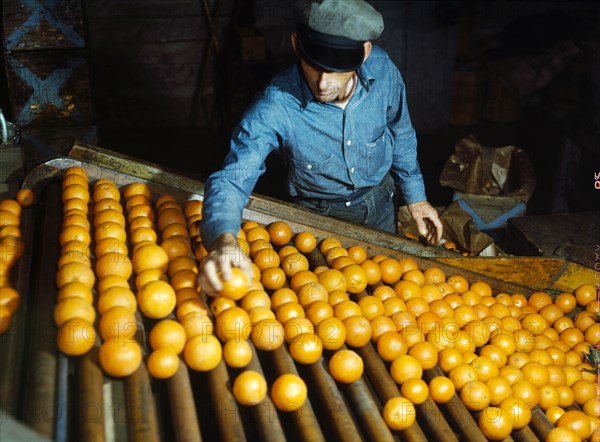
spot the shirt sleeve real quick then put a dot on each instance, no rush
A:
(226, 191)
(405, 166)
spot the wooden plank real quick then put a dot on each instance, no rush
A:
(49, 88)
(34, 25)
(574, 275)
(534, 272)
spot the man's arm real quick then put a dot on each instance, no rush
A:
(226, 193)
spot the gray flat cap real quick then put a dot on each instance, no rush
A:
(352, 19)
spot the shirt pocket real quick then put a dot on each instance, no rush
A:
(310, 177)
(378, 156)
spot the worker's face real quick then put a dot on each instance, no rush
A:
(325, 86)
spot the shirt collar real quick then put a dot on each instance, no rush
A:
(365, 77)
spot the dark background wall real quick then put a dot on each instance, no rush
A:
(509, 73)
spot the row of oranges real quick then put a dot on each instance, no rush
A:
(416, 318)
(11, 250)
(419, 319)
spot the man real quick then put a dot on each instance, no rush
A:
(339, 118)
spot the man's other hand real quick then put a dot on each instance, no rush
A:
(224, 254)
(428, 221)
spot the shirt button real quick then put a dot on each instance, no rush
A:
(349, 142)
(309, 166)
(352, 170)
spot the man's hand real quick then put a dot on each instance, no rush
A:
(224, 253)
(428, 221)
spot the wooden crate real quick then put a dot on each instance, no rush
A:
(49, 88)
(33, 25)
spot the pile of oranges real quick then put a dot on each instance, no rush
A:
(502, 354)
(11, 249)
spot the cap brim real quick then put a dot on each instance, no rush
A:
(332, 59)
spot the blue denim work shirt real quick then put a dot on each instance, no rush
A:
(330, 152)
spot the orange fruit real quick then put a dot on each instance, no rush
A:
(120, 358)
(495, 423)
(346, 366)
(156, 299)
(382, 324)
(448, 358)
(441, 389)
(114, 296)
(236, 286)
(399, 413)
(311, 292)
(113, 263)
(295, 327)
(290, 310)
(549, 397)
(168, 333)
(356, 278)
(318, 310)
(196, 323)
(391, 270)
(425, 353)
(117, 323)
(25, 197)
(461, 375)
(70, 308)
(288, 392)
(390, 345)
(237, 353)
(163, 363)
(333, 279)
(202, 352)
(518, 410)
(233, 324)
(406, 290)
(566, 302)
(371, 307)
(500, 389)
(280, 233)
(249, 388)
(554, 413)
(415, 390)
(150, 256)
(75, 271)
(583, 390)
(405, 367)
(476, 395)
(576, 421)
(572, 336)
(485, 368)
(585, 293)
(282, 296)
(459, 283)
(372, 270)
(345, 309)
(307, 348)
(76, 336)
(110, 229)
(10, 299)
(305, 242)
(562, 434)
(293, 263)
(357, 253)
(358, 331)
(535, 323)
(584, 319)
(267, 334)
(332, 332)
(72, 289)
(414, 275)
(434, 275)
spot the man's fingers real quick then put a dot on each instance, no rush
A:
(211, 281)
